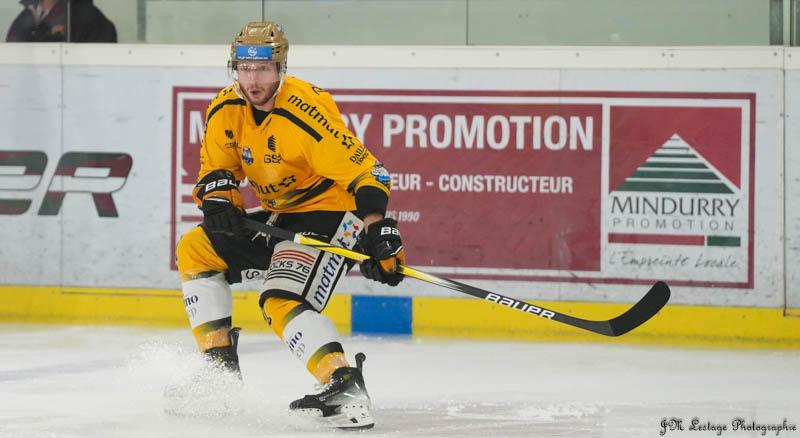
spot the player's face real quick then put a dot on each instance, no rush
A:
(258, 79)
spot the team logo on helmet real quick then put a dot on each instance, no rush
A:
(260, 41)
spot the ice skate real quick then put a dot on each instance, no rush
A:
(343, 402)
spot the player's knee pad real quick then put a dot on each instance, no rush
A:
(290, 269)
(308, 272)
(208, 304)
(195, 255)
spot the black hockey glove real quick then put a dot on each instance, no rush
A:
(221, 216)
(381, 241)
(217, 193)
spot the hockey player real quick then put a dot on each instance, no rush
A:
(312, 175)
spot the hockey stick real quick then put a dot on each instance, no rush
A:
(646, 308)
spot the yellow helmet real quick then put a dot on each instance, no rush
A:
(260, 41)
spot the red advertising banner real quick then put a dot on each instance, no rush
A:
(492, 185)
(547, 185)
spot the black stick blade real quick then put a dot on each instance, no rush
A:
(655, 299)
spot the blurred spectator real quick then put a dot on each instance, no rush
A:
(46, 21)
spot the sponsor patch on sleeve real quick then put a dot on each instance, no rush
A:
(381, 174)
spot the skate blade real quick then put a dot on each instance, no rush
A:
(352, 416)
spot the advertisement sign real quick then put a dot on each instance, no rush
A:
(680, 197)
(614, 187)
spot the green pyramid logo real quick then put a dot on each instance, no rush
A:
(676, 167)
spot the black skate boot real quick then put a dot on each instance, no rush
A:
(343, 402)
(213, 389)
(226, 358)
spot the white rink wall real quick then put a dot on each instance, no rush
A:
(59, 104)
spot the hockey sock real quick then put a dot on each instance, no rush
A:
(322, 369)
(310, 336)
(208, 304)
(213, 334)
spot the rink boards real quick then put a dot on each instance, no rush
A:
(727, 327)
(569, 178)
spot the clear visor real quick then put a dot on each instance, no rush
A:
(258, 71)
(258, 80)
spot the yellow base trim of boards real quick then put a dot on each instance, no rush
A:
(700, 326)
(140, 307)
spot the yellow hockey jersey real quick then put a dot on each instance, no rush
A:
(300, 158)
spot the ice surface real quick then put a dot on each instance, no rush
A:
(109, 382)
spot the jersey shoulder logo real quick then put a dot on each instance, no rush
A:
(381, 174)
